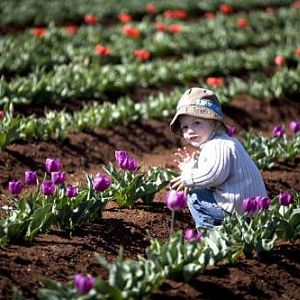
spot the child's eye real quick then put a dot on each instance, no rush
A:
(184, 127)
(197, 123)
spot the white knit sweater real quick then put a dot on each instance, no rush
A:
(225, 167)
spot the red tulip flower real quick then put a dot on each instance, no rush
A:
(71, 29)
(174, 28)
(225, 9)
(142, 54)
(39, 31)
(214, 81)
(90, 19)
(209, 15)
(297, 51)
(1, 114)
(161, 27)
(242, 22)
(279, 60)
(175, 14)
(124, 18)
(131, 31)
(102, 50)
(151, 8)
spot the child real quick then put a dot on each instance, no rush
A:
(222, 174)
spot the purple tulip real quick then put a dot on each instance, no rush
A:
(58, 177)
(15, 187)
(101, 182)
(231, 130)
(175, 200)
(294, 126)
(47, 188)
(250, 204)
(285, 199)
(125, 161)
(30, 178)
(52, 164)
(83, 284)
(263, 202)
(278, 131)
(191, 234)
(71, 191)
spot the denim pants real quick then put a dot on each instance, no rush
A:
(204, 209)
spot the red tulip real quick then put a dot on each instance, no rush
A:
(242, 23)
(161, 27)
(131, 32)
(2, 114)
(175, 14)
(225, 8)
(39, 31)
(151, 8)
(124, 18)
(102, 50)
(279, 60)
(174, 28)
(209, 15)
(214, 81)
(297, 51)
(142, 54)
(71, 29)
(90, 19)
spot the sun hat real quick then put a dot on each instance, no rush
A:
(197, 102)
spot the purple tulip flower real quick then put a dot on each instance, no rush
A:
(191, 234)
(30, 178)
(263, 202)
(15, 187)
(52, 164)
(175, 200)
(125, 161)
(285, 199)
(47, 188)
(278, 131)
(294, 126)
(231, 130)
(71, 191)
(250, 205)
(101, 182)
(58, 177)
(83, 284)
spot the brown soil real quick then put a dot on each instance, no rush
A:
(59, 257)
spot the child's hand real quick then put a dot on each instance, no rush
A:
(185, 159)
(176, 184)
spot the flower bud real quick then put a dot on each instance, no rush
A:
(83, 284)
(191, 234)
(278, 131)
(231, 130)
(125, 161)
(72, 191)
(263, 202)
(30, 178)
(250, 204)
(285, 199)
(294, 126)
(58, 177)
(47, 188)
(175, 200)
(101, 182)
(15, 187)
(52, 164)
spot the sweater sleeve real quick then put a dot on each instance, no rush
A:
(213, 166)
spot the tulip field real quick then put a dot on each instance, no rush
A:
(87, 92)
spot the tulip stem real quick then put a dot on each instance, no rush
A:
(172, 222)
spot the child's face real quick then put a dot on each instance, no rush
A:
(195, 130)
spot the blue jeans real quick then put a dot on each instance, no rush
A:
(204, 209)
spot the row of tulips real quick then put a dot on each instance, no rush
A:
(94, 11)
(143, 41)
(91, 81)
(35, 207)
(188, 255)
